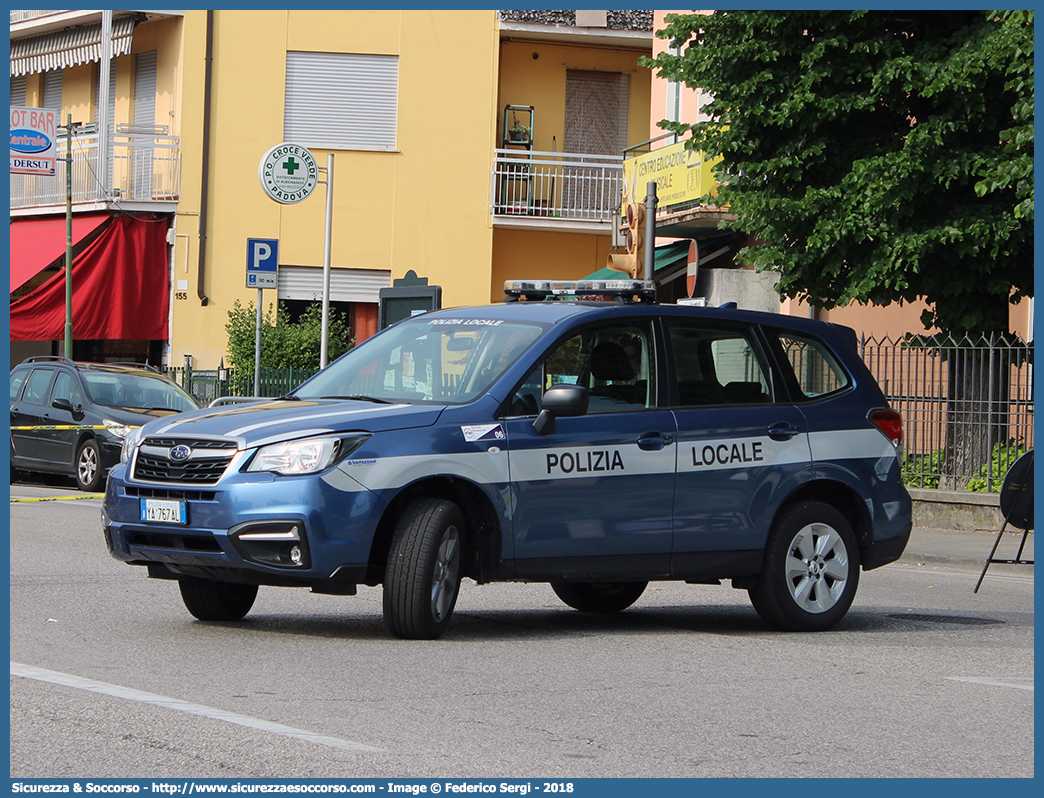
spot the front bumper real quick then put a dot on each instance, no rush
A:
(245, 527)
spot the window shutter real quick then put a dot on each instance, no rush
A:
(341, 100)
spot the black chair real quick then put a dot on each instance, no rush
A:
(1016, 504)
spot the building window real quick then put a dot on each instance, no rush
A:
(341, 101)
(52, 90)
(18, 91)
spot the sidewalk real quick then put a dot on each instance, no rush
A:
(966, 549)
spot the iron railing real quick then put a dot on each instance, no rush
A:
(145, 167)
(566, 186)
(24, 16)
(966, 403)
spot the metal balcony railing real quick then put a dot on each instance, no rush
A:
(145, 166)
(566, 186)
(23, 16)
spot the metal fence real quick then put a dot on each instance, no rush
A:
(208, 385)
(967, 405)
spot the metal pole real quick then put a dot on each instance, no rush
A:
(102, 113)
(650, 229)
(324, 334)
(68, 238)
(257, 347)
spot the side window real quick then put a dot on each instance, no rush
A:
(65, 387)
(816, 369)
(716, 367)
(36, 386)
(17, 380)
(614, 362)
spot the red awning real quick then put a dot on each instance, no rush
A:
(120, 289)
(37, 243)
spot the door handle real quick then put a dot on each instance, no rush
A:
(654, 441)
(783, 431)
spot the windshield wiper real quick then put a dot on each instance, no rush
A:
(362, 398)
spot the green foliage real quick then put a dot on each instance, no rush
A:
(283, 344)
(875, 156)
(1004, 457)
(923, 470)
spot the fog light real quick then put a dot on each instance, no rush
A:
(296, 556)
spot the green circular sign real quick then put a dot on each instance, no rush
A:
(288, 173)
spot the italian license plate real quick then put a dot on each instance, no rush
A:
(164, 511)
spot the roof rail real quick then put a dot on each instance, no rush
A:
(48, 359)
(131, 363)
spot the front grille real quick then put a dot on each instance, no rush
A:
(199, 443)
(174, 540)
(172, 493)
(153, 463)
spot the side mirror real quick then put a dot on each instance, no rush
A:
(560, 400)
(67, 406)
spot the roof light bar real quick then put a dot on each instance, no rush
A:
(625, 290)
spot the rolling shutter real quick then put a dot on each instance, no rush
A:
(341, 101)
(346, 285)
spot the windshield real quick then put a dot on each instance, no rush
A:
(139, 391)
(437, 359)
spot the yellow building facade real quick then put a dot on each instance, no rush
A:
(427, 197)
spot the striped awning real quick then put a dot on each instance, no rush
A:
(68, 48)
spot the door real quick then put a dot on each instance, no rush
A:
(595, 496)
(595, 124)
(31, 411)
(739, 450)
(59, 446)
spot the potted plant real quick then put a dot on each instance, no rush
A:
(518, 131)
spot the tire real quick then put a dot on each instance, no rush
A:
(89, 474)
(810, 571)
(422, 578)
(599, 596)
(210, 600)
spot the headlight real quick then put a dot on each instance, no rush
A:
(306, 456)
(116, 428)
(130, 440)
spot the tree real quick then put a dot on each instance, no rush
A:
(284, 344)
(875, 156)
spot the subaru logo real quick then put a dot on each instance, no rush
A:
(180, 453)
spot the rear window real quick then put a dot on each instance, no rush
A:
(816, 370)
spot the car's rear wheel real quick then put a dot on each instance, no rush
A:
(210, 600)
(422, 578)
(599, 596)
(810, 571)
(89, 476)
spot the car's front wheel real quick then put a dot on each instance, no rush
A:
(599, 596)
(810, 571)
(422, 578)
(210, 600)
(89, 475)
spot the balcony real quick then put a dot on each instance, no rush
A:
(144, 173)
(571, 192)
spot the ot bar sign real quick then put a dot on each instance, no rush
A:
(33, 146)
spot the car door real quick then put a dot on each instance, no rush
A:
(30, 410)
(59, 446)
(740, 449)
(594, 497)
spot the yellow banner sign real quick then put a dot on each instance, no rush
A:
(682, 176)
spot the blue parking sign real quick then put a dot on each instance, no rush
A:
(262, 263)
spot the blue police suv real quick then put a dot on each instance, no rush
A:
(581, 435)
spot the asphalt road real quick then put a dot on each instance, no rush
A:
(112, 678)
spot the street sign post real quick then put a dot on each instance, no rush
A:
(262, 272)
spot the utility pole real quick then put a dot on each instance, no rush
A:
(68, 238)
